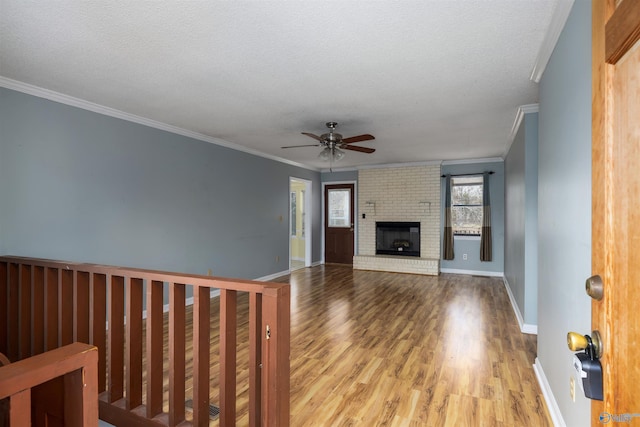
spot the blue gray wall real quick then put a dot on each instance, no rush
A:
(471, 246)
(564, 208)
(521, 219)
(81, 186)
(340, 176)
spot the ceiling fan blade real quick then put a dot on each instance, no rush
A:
(358, 148)
(307, 145)
(312, 136)
(358, 138)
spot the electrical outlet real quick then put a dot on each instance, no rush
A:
(464, 257)
(209, 272)
(277, 258)
(572, 389)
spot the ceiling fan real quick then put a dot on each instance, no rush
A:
(334, 143)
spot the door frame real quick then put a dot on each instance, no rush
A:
(308, 219)
(355, 216)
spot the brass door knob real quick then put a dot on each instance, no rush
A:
(577, 342)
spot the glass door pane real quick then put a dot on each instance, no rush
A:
(339, 208)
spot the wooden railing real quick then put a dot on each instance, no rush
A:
(76, 363)
(141, 381)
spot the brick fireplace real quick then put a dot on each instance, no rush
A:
(403, 194)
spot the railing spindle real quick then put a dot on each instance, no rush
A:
(176, 353)
(116, 339)
(97, 329)
(154, 347)
(228, 340)
(201, 368)
(65, 303)
(81, 307)
(51, 309)
(24, 325)
(134, 343)
(37, 312)
(12, 313)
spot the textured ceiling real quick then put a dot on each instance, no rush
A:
(432, 80)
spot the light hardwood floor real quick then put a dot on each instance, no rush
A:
(389, 349)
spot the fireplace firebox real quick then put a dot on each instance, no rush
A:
(398, 238)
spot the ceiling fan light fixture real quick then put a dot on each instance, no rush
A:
(331, 154)
(325, 154)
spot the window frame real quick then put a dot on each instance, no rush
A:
(479, 183)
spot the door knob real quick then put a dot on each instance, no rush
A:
(587, 364)
(595, 287)
(577, 342)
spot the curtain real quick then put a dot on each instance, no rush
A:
(448, 230)
(485, 237)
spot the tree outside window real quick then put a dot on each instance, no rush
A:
(466, 205)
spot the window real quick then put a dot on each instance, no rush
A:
(466, 205)
(339, 208)
(294, 210)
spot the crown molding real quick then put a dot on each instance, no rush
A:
(112, 112)
(522, 110)
(558, 20)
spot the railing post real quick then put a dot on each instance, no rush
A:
(255, 359)
(20, 409)
(276, 315)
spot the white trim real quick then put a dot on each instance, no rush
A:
(308, 220)
(272, 276)
(470, 161)
(472, 272)
(522, 110)
(112, 112)
(558, 20)
(525, 328)
(552, 405)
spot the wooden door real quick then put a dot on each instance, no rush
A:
(616, 204)
(338, 223)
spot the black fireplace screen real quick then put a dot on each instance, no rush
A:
(398, 238)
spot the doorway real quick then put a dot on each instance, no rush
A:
(299, 223)
(339, 220)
